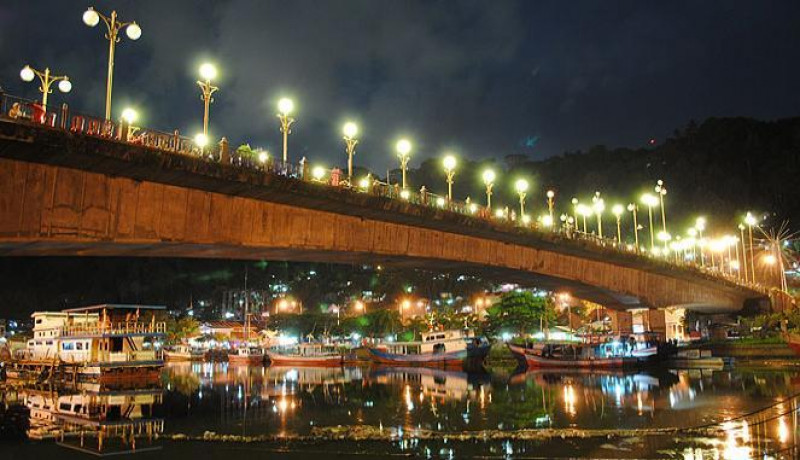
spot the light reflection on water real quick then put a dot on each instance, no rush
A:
(286, 401)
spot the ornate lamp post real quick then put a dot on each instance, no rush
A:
(750, 220)
(449, 164)
(285, 108)
(207, 73)
(46, 80)
(488, 180)
(584, 211)
(521, 186)
(661, 190)
(91, 18)
(598, 206)
(650, 201)
(403, 149)
(700, 226)
(633, 208)
(350, 131)
(617, 210)
(575, 210)
(551, 202)
(744, 253)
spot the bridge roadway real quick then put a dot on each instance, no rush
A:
(63, 194)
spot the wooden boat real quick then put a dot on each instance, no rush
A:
(246, 355)
(182, 353)
(569, 355)
(455, 348)
(310, 354)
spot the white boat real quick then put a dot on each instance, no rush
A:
(454, 348)
(311, 354)
(101, 342)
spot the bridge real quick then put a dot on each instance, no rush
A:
(67, 189)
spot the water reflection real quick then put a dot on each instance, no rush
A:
(404, 403)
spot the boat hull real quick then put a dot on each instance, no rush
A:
(278, 359)
(181, 357)
(793, 340)
(250, 360)
(532, 361)
(470, 357)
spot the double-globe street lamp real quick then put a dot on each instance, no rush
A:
(650, 201)
(488, 180)
(91, 18)
(285, 108)
(617, 210)
(521, 186)
(598, 206)
(46, 80)
(633, 210)
(207, 73)
(350, 131)
(403, 149)
(449, 162)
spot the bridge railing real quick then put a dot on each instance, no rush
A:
(61, 118)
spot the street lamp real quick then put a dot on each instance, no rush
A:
(285, 108)
(551, 204)
(633, 208)
(664, 237)
(91, 18)
(46, 80)
(129, 115)
(751, 220)
(521, 186)
(700, 226)
(661, 190)
(207, 73)
(617, 210)
(575, 210)
(403, 148)
(598, 205)
(744, 252)
(201, 140)
(350, 131)
(584, 211)
(449, 164)
(488, 180)
(650, 201)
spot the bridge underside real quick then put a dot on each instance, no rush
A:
(605, 297)
(64, 195)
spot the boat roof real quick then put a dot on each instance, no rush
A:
(113, 306)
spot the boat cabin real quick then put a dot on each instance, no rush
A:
(433, 342)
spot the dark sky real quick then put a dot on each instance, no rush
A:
(484, 78)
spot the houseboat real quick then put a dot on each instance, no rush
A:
(245, 354)
(311, 354)
(453, 348)
(182, 353)
(96, 343)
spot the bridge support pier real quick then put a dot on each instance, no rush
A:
(621, 322)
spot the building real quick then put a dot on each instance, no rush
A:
(234, 302)
(234, 330)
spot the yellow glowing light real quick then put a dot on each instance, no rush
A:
(489, 176)
(617, 210)
(130, 115)
(440, 202)
(700, 224)
(403, 147)
(285, 106)
(364, 183)
(201, 140)
(263, 156)
(583, 210)
(649, 200)
(547, 221)
(526, 219)
(318, 173)
(750, 219)
(770, 259)
(208, 71)
(521, 186)
(405, 194)
(449, 162)
(551, 194)
(350, 130)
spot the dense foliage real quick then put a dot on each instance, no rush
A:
(521, 312)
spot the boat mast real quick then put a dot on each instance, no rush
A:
(246, 315)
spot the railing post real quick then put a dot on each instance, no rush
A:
(224, 153)
(64, 115)
(176, 141)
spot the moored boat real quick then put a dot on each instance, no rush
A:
(182, 353)
(793, 340)
(310, 354)
(454, 348)
(569, 355)
(246, 355)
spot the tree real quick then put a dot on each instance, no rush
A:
(521, 312)
(181, 328)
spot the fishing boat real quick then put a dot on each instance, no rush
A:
(311, 354)
(569, 355)
(453, 348)
(182, 353)
(246, 355)
(96, 343)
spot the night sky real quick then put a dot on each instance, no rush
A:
(484, 78)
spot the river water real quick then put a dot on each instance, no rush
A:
(216, 410)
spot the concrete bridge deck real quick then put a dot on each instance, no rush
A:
(68, 194)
